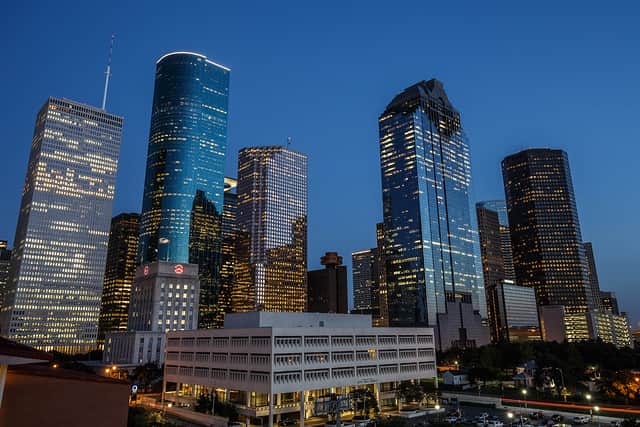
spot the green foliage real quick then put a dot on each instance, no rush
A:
(141, 417)
(567, 362)
(204, 403)
(146, 375)
(364, 402)
(226, 409)
(410, 391)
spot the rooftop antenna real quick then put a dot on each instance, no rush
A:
(108, 73)
(289, 142)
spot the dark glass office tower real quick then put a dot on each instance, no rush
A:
(500, 207)
(119, 273)
(229, 237)
(592, 272)
(429, 237)
(5, 264)
(327, 287)
(548, 253)
(492, 265)
(609, 302)
(184, 184)
(364, 279)
(55, 285)
(272, 224)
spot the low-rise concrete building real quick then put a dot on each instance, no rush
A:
(269, 364)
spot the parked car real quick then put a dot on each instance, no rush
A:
(536, 415)
(556, 418)
(581, 419)
(495, 423)
(286, 422)
(616, 423)
(452, 419)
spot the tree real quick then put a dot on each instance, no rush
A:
(226, 409)
(146, 375)
(204, 403)
(410, 392)
(364, 402)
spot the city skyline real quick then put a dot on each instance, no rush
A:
(321, 236)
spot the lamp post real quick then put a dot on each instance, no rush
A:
(437, 408)
(588, 397)
(510, 417)
(524, 397)
(595, 410)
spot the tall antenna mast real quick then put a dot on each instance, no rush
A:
(108, 73)
(289, 141)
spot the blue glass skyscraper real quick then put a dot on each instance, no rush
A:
(184, 184)
(429, 237)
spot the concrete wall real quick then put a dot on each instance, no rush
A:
(33, 400)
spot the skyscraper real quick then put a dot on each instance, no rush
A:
(364, 279)
(380, 300)
(184, 184)
(5, 263)
(592, 274)
(119, 273)
(229, 237)
(500, 207)
(327, 287)
(548, 253)
(272, 221)
(492, 266)
(53, 297)
(429, 238)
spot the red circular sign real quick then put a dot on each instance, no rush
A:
(178, 269)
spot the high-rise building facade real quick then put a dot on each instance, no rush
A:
(592, 274)
(182, 205)
(363, 274)
(517, 313)
(229, 237)
(5, 264)
(609, 302)
(272, 223)
(500, 207)
(119, 272)
(548, 253)
(381, 318)
(327, 287)
(492, 266)
(53, 296)
(429, 237)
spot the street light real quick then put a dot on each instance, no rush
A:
(510, 416)
(524, 396)
(596, 409)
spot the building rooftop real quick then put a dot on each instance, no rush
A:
(67, 374)
(267, 319)
(427, 89)
(13, 353)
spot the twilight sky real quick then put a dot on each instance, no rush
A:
(545, 74)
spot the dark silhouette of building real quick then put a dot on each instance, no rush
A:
(5, 263)
(327, 287)
(119, 272)
(492, 266)
(609, 302)
(594, 283)
(548, 253)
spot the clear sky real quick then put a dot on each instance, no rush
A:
(541, 74)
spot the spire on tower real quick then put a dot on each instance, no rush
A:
(108, 73)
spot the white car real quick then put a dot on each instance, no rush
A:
(581, 419)
(495, 423)
(451, 419)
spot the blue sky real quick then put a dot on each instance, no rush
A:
(540, 74)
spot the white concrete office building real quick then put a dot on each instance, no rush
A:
(267, 363)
